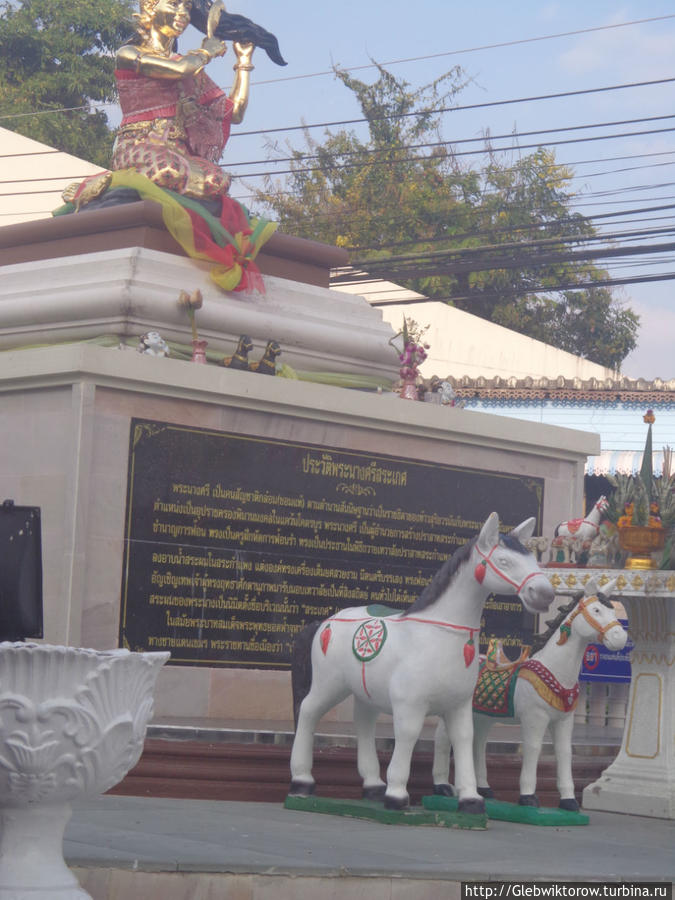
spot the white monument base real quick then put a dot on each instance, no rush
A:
(128, 291)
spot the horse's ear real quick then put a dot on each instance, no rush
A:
(489, 533)
(525, 530)
(591, 587)
(609, 589)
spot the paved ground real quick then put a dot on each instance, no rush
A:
(155, 835)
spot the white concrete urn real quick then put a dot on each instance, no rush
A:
(72, 723)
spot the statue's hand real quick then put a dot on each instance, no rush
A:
(244, 51)
(214, 47)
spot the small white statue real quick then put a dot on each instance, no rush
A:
(449, 395)
(153, 344)
(537, 546)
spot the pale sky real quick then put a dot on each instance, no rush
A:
(315, 36)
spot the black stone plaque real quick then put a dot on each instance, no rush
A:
(233, 544)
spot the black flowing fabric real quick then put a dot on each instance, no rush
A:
(236, 28)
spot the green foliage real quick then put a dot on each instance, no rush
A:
(663, 494)
(640, 502)
(401, 202)
(632, 489)
(620, 496)
(59, 55)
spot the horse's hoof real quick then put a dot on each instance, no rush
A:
(445, 790)
(528, 800)
(301, 789)
(570, 804)
(486, 792)
(396, 802)
(475, 806)
(374, 793)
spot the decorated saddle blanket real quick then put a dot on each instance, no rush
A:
(493, 694)
(495, 688)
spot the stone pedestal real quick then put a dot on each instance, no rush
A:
(67, 415)
(67, 406)
(641, 780)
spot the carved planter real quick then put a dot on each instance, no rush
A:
(72, 723)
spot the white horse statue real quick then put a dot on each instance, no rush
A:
(537, 692)
(588, 527)
(411, 664)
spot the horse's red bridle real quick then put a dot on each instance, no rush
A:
(600, 630)
(487, 561)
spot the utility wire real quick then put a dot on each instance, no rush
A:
(514, 43)
(444, 109)
(46, 112)
(565, 165)
(489, 150)
(451, 143)
(562, 286)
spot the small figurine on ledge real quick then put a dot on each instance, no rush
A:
(267, 365)
(240, 358)
(153, 344)
(587, 527)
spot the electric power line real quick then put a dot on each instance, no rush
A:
(454, 141)
(562, 286)
(513, 43)
(444, 109)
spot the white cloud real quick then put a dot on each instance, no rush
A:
(640, 52)
(549, 12)
(654, 356)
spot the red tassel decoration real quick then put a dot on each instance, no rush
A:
(469, 652)
(325, 639)
(479, 571)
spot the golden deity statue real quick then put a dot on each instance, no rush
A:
(176, 121)
(175, 124)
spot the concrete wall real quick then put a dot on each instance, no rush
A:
(34, 176)
(463, 344)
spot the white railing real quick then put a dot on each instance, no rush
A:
(602, 705)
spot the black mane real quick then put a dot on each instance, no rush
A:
(508, 540)
(442, 578)
(554, 624)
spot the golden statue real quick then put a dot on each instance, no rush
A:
(175, 124)
(176, 121)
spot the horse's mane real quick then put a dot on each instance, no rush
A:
(442, 578)
(553, 625)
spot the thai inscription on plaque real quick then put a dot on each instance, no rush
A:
(234, 543)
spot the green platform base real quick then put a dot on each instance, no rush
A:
(375, 812)
(512, 812)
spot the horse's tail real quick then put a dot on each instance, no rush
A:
(301, 666)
